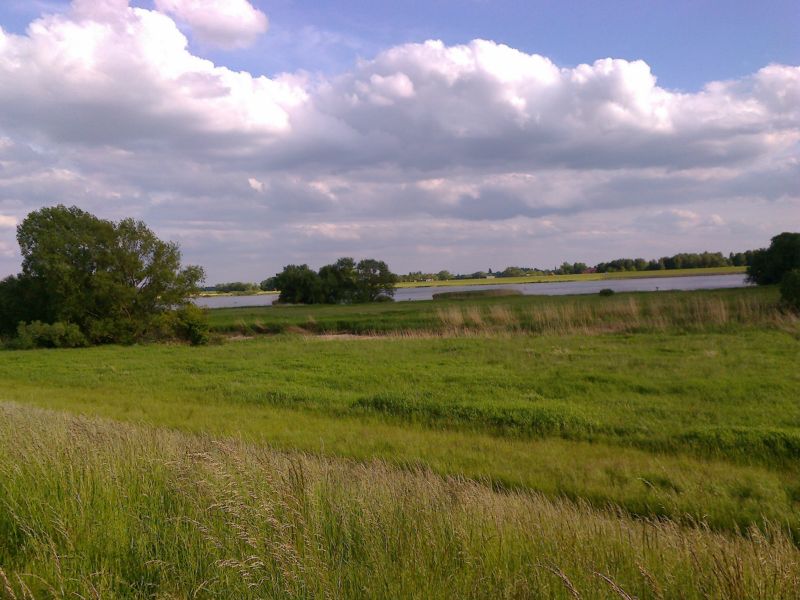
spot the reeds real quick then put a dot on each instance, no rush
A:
(618, 315)
(94, 509)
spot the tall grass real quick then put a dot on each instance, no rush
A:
(91, 509)
(627, 314)
(701, 310)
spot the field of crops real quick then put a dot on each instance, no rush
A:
(640, 444)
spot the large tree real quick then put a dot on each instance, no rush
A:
(299, 284)
(769, 265)
(374, 281)
(113, 280)
(339, 285)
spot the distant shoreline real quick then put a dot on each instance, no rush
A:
(215, 294)
(699, 272)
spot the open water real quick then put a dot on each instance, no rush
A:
(650, 284)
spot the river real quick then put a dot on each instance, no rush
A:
(649, 284)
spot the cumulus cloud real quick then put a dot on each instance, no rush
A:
(475, 151)
(223, 23)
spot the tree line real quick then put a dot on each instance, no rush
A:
(683, 260)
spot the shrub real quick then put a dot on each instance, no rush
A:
(606, 292)
(191, 324)
(48, 335)
(790, 289)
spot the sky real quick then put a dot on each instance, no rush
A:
(460, 135)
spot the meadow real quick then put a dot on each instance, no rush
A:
(638, 445)
(629, 312)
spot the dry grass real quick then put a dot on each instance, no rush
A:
(619, 315)
(94, 509)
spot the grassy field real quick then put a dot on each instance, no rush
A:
(645, 441)
(631, 312)
(94, 509)
(579, 277)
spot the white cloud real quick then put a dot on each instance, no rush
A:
(222, 23)
(7, 222)
(255, 184)
(478, 150)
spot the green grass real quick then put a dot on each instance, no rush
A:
(705, 425)
(580, 277)
(644, 311)
(495, 447)
(93, 509)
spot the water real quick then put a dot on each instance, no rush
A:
(649, 284)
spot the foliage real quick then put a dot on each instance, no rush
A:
(769, 265)
(48, 335)
(298, 284)
(236, 286)
(343, 282)
(268, 285)
(571, 269)
(683, 260)
(374, 281)
(23, 299)
(110, 279)
(339, 282)
(191, 324)
(790, 289)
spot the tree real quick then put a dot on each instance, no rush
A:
(374, 281)
(338, 281)
(268, 285)
(112, 280)
(769, 265)
(342, 282)
(298, 285)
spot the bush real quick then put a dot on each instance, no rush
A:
(48, 335)
(191, 324)
(790, 289)
(606, 292)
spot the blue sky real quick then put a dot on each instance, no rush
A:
(342, 128)
(687, 43)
